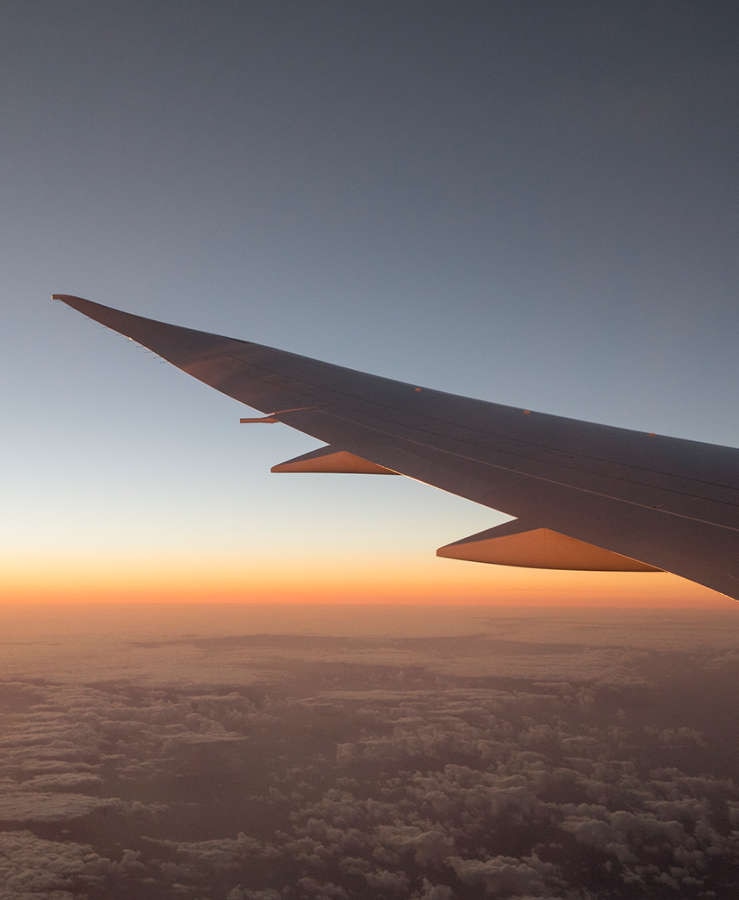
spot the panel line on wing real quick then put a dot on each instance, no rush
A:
(590, 491)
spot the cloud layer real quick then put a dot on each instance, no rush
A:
(355, 768)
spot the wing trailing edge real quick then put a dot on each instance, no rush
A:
(332, 460)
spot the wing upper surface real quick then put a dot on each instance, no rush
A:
(670, 503)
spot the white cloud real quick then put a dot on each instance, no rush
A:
(27, 806)
(31, 867)
(503, 875)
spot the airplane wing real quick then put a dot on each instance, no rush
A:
(585, 496)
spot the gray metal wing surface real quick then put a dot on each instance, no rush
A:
(585, 496)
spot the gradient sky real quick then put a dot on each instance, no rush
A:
(525, 202)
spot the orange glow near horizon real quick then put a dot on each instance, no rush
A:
(297, 580)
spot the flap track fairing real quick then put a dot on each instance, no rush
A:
(332, 460)
(513, 544)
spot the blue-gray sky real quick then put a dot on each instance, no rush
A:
(531, 203)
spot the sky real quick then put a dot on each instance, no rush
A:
(528, 203)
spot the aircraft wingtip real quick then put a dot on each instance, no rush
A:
(78, 303)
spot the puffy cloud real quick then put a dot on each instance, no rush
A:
(31, 867)
(503, 875)
(73, 782)
(426, 847)
(385, 883)
(239, 893)
(311, 887)
(431, 891)
(27, 806)
(221, 854)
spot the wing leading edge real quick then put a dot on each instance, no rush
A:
(586, 495)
